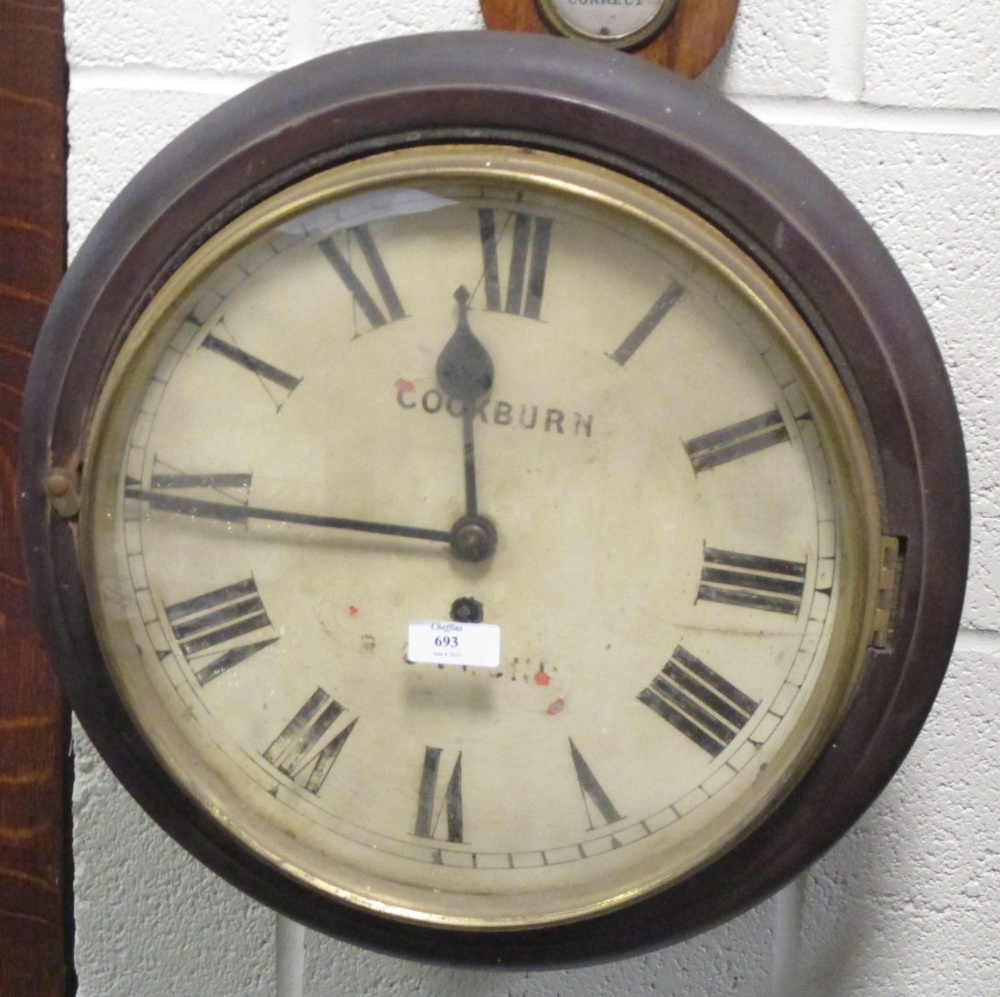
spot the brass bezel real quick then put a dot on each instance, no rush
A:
(616, 193)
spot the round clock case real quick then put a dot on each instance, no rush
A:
(552, 167)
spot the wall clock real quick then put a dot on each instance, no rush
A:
(493, 500)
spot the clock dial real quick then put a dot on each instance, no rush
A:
(619, 24)
(541, 396)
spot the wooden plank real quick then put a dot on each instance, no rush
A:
(34, 816)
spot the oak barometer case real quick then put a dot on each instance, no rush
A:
(493, 500)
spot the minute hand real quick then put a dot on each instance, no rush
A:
(229, 513)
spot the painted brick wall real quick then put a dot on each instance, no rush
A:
(899, 100)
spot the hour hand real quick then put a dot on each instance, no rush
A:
(464, 367)
(465, 373)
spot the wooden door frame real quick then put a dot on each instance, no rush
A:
(35, 767)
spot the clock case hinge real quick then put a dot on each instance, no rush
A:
(63, 493)
(887, 597)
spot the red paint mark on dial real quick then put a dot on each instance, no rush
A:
(540, 677)
(353, 610)
(403, 385)
(556, 707)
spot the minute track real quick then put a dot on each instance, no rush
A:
(229, 512)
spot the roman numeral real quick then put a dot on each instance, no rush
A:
(751, 581)
(738, 440)
(594, 797)
(428, 814)
(647, 324)
(311, 741)
(529, 260)
(363, 298)
(698, 702)
(249, 362)
(173, 491)
(266, 373)
(221, 482)
(217, 621)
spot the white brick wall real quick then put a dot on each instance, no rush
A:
(899, 100)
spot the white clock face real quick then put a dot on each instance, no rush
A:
(609, 22)
(664, 536)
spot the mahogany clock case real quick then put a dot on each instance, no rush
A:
(605, 108)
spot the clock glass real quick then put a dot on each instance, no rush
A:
(481, 537)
